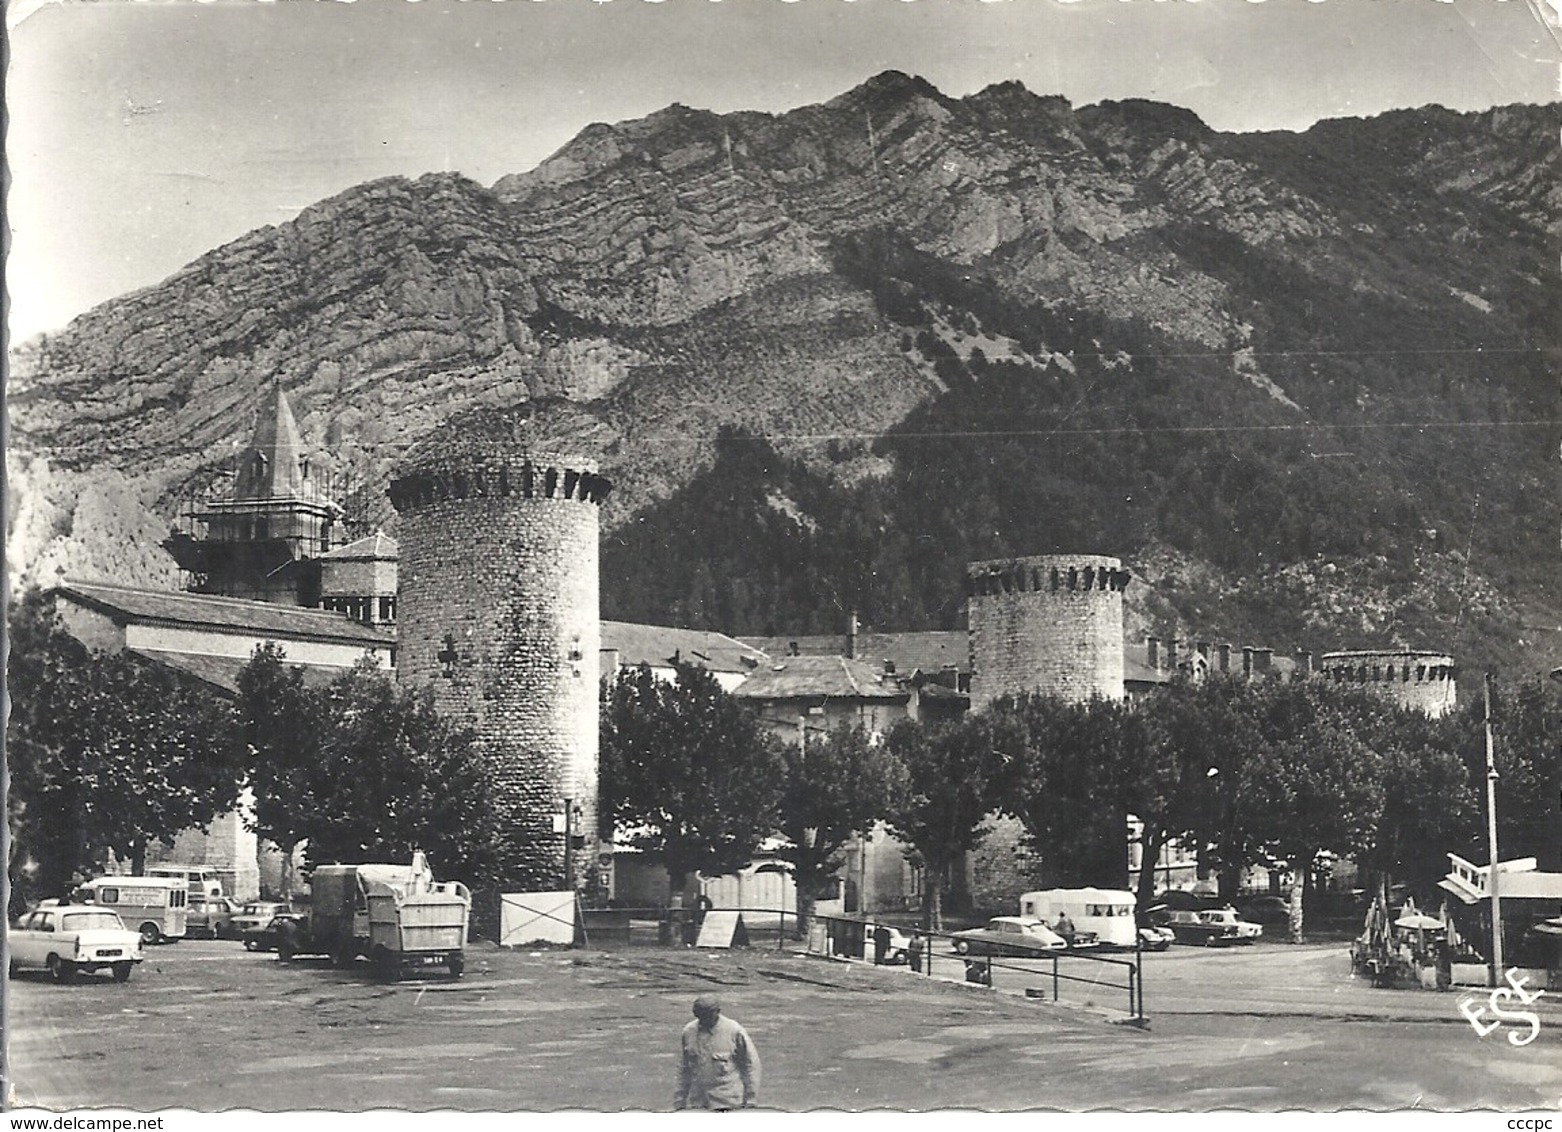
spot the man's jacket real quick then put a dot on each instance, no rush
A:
(720, 1067)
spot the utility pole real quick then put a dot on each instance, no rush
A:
(1491, 839)
(569, 844)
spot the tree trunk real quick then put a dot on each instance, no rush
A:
(933, 896)
(1145, 890)
(138, 857)
(676, 884)
(288, 876)
(1299, 873)
(807, 899)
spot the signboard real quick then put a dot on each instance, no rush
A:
(527, 918)
(134, 897)
(722, 929)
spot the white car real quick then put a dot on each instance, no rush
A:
(897, 947)
(69, 938)
(1242, 930)
(249, 922)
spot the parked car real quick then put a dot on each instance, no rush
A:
(1181, 900)
(1154, 934)
(210, 917)
(66, 939)
(899, 947)
(1244, 930)
(250, 922)
(1267, 911)
(1009, 935)
(1152, 938)
(1191, 927)
(284, 934)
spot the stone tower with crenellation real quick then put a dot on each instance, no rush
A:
(1424, 681)
(498, 614)
(1050, 625)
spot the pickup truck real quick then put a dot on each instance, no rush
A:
(69, 938)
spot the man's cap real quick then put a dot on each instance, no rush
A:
(707, 1004)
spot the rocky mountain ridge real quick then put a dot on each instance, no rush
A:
(808, 277)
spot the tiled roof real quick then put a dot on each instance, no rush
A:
(929, 651)
(813, 677)
(223, 671)
(379, 545)
(204, 611)
(1137, 671)
(658, 645)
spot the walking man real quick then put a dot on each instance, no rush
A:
(720, 1065)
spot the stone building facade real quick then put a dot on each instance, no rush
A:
(498, 614)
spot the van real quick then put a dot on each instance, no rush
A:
(1100, 915)
(202, 881)
(157, 907)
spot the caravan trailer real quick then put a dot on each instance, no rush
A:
(1102, 916)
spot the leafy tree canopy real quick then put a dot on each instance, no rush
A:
(106, 752)
(837, 785)
(686, 771)
(955, 774)
(363, 770)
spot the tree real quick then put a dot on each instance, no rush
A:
(107, 752)
(1313, 782)
(686, 771)
(400, 777)
(836, 786)
(1196, 736)
(1527, 748)
(1431, 805)
(364, 770)
(954, 776)
(278, 735)
(1066, 786)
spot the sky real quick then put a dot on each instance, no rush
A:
(143, 133)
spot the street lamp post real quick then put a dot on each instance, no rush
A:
(1491, 837)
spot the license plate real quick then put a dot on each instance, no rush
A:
(109, 954)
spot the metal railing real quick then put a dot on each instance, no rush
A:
(934, 954)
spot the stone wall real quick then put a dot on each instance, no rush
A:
(356, 577)
(242, 646)
(1001, 868)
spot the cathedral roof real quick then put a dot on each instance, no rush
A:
(273, 466)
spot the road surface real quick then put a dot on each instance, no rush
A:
(205, 1025)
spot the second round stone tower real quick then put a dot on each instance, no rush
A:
(498, 613)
